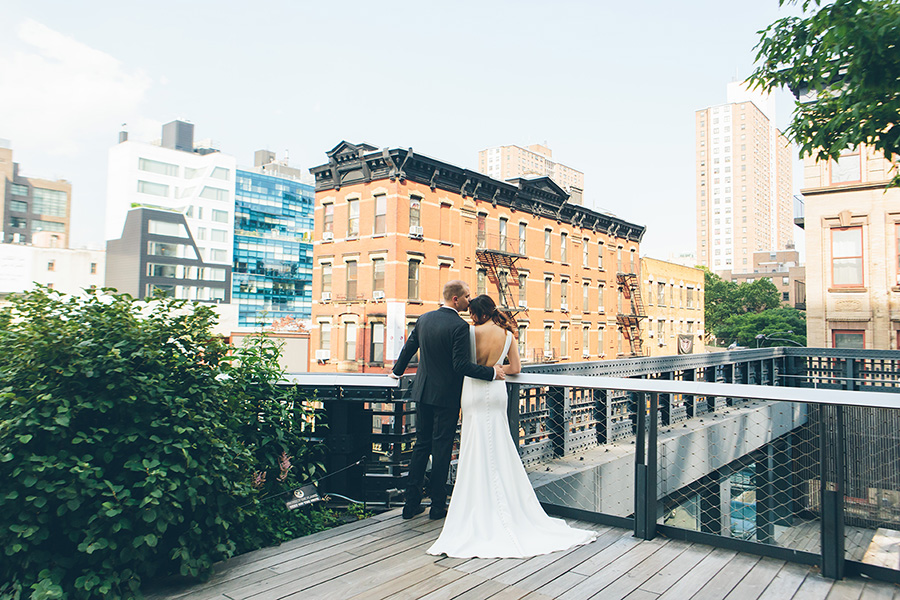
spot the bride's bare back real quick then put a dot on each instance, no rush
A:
(489, 341)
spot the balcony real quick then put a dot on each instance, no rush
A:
(785, 460)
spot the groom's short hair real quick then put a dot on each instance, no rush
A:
(454, 288)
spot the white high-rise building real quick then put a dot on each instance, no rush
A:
(744, 183)
(187, 250)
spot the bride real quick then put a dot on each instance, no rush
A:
(494, 512)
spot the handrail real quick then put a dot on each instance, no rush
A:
(340, 379)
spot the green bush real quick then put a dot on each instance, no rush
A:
(130, 442)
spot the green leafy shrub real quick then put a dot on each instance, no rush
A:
(129, 440)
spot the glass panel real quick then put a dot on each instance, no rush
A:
(154, 189)
(155, 166)
(166, 228)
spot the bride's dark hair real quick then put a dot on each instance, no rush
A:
(483, 308)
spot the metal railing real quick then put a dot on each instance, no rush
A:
(785, 452)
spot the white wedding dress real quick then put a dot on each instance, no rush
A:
(494, 512)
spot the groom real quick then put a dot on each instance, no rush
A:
(442, 339)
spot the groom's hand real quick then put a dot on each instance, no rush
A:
(499, 373)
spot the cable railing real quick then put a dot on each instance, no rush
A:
(792, 453)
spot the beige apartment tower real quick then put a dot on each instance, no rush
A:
(510, 162)
(743, 181)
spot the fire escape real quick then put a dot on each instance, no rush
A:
(494, 254)
(631, 323)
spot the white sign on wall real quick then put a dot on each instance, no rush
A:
(395, 336)
(15, 268)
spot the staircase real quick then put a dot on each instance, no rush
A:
(631, 323)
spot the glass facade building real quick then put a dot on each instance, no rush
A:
(273, 250)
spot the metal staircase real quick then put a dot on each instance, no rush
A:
(631, 323)
(500, 266)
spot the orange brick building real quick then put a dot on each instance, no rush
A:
(391, 227)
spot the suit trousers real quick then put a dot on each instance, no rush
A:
(435, 431)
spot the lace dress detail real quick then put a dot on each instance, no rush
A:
(494, 512)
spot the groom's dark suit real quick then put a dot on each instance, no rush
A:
(442, 339)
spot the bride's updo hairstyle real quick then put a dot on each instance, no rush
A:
(484, 309)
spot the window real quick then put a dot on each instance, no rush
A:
(548, 329)
(51, 265)
(325, 336)
(201, 233)
(564, 340)
(445, 224)
(563, 247)
(546, 244)
(854, 339)
(350, 341)
(661, 294)
(166, 228)
(548, 285)
(846, 257)
(326, 278)
(785, 296)
(376, 352)
(413, 280)
(220, 216)
(38, 225)
(173, 250)
(600, 332)
(380, 214)
(503, 228)
(18, 189)
(600, 256)
(785, 281)
(218, 235)
(18, 206)
(846, 169)
(585, 297)
(328, 221)
(378, 274)
(564, 293)
(482, 227)
(211, 193)
(415, 211)
(351, 279)
(690, 297)
(352, 218)
(155, 166)
(522, 330)
(167, 271)
(154, 189)
(49, 202)
(584, 253)
(480, 284)
(585, 340)
(523, 297)
(522, 229)
(600, 307)
(93, 268)
(217, 255)
(221, 173)
(661, 331)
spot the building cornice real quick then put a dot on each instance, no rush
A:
(351, 164)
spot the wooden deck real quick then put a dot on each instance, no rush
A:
(384, 557)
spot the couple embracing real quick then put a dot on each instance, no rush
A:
(494, 512)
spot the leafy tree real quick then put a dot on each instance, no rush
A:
(848, 53)
(130, 441)
(725, 299)
(774, 322)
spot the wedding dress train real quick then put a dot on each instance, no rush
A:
(494, 512)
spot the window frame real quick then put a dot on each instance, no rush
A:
(861, 258)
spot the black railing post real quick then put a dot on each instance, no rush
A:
(665, 400)
(513, 404)
(645, 468)
(558, 406)
(831, 449)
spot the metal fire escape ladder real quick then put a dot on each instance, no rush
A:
(631, 323)
(494, 261)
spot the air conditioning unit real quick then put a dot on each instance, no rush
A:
(326, 296)
(378, 295)
(415, 231)
(323, 354)
(548, 353)
(327, 236)
(650, 334)
(523, 304)
(564, 307)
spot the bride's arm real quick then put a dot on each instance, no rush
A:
(515, 365)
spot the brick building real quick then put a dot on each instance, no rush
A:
(673, 295)
(391, 227)
(784, 270)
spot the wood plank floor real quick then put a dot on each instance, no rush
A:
(384, 557)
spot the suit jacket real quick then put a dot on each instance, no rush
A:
(442, 339)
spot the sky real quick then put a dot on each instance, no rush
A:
(611, 87)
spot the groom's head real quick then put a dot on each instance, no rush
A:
(456, 295)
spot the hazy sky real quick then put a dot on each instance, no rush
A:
(611, 87)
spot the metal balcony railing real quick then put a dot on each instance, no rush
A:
(792, 453)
